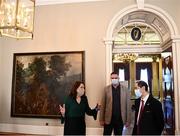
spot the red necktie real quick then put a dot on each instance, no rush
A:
(140, 115)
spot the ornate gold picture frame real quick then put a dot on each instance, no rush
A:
(41, 81)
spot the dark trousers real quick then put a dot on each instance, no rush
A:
(75, 126)
(116, 126)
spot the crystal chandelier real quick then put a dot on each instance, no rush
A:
(126, 57)
(17, 18)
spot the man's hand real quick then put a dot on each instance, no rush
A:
(98, 107)
(101, 123)
(127, 124)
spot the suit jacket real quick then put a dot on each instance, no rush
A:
(106, 105)
(152, 119)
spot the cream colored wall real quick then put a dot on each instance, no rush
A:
(69, 27)
(170, 6)
(0, 72)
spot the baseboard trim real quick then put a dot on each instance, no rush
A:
(42, 130)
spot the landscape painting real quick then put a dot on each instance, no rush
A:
(41, 81)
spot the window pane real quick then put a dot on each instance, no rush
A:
(121, 75)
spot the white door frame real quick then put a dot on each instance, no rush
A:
(174, 42)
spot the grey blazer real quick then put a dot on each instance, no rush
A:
(106, 105)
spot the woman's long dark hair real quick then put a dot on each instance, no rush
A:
(73, 92)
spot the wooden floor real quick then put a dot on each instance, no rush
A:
(14, 134)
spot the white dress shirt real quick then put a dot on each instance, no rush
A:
(144, 100)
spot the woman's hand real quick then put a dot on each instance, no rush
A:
(62, 109)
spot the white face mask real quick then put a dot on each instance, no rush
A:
(115, 81)
(137, 93)
(80, 92)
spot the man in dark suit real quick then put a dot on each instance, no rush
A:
(149, 119)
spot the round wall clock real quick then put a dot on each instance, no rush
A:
(136, 34)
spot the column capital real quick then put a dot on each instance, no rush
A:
(108, 41)
(175, 38)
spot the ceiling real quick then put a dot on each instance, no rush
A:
(51, 2)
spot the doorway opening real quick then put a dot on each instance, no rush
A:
(137, 54)
(166, 29)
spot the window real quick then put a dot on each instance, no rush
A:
(121, 75)
(144, 75)
(149, 36)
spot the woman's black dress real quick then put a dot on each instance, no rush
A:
(75, 116)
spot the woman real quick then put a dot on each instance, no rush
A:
(76, 105)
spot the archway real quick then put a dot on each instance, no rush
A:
(162, 23)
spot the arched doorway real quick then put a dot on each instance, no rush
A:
(158, 20)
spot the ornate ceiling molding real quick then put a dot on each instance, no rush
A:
(52, 2)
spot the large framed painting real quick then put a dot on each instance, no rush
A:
(41, 81)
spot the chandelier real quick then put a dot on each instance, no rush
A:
(17, 18)
(126, 57)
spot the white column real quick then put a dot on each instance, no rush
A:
(108, 44)
(176, 75)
